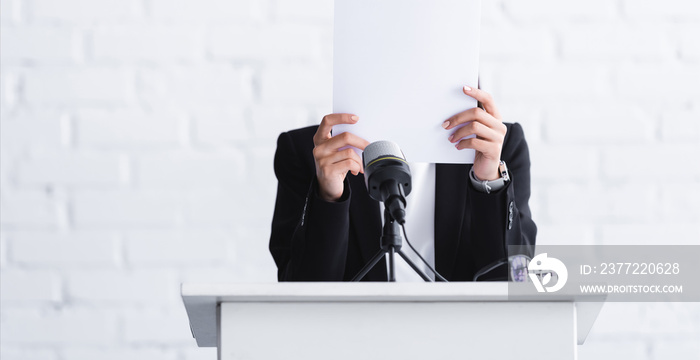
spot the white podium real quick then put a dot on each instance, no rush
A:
(384, 321)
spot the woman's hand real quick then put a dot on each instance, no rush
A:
(332, 164)
(489, 129)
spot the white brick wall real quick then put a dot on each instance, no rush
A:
(197, 170)
(85, 327)
(137, 287)
(135, 353)
(148, 44)
(8, 11)
(665, 10)
(690, 49)
(33, 129)
(137, 139)
(204, 12)
(615, 43)
(557, 12)
(184, 86)
(65, 250)
(30, 209)
(46, 44)
(83, 170)
(213, 127)
(177, 248)
(79, 11)
(115, 209)
(131, 129)
(151, 326)
(30, 287)
(90, 86)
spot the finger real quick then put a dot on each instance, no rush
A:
(476, 128)
(341, 156)
(342, 167)
(341, 140)
(327, 123)
(330, 165)
(474, 114)
(489, 149)
(485, 99)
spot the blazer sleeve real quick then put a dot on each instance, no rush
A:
(503, 218)
(309, 235)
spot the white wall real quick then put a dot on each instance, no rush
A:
(137, 143)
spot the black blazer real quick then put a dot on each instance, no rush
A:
(316, 240)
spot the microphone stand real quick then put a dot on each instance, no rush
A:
(390, 244)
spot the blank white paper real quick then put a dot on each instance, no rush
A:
(400, 65)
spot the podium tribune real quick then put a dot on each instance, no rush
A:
(384, 321)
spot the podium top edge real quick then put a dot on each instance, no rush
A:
(344, 291)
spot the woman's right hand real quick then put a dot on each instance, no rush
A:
(333, 165)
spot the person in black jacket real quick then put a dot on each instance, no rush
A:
(325, 226)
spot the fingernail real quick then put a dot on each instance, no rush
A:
(467, 88)
(457, 146)
(354, 118)
(445, 124)
(451, 137)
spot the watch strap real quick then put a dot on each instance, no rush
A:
(488, 186)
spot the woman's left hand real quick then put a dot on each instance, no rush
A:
(489, 129)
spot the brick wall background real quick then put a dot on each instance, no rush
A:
(130, 126)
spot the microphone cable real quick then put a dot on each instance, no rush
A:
(437, 275)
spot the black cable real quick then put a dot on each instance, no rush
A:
(437, 275)
(488, 268)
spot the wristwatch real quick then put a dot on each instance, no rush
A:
(493, 185)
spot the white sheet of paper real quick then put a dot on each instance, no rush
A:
(400, 65)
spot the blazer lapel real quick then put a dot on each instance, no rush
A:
(450, 206)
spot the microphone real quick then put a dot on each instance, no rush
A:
(388, 177)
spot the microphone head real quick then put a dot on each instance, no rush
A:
(380, 149)
(386, 171)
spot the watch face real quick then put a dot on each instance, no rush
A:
(503, 169)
